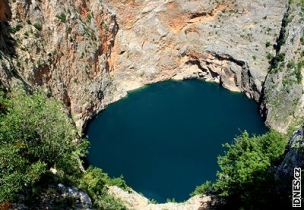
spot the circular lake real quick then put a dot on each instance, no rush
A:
(165, 138)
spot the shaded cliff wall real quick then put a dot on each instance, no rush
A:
(5, 11)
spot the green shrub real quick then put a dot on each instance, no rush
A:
(38, 26)
(275, 61)
(302, 40)
(89, 17)
(205, 188)
(291, 64)
(245, 179)
(17, 28)
(62, 17)
(298, 72)
(95, 182)
(35, 135)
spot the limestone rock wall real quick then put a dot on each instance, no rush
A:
(283, 99)
(221, 41)
(78, 53)
(233, 43)
(64, 47)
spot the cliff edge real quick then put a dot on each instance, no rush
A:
(90, 53)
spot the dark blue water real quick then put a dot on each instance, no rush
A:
(165, 138)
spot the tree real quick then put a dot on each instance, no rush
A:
(35, 135)
(246, 179)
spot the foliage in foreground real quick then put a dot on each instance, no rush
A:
(246, 179)
(36, 135)
(94, 181)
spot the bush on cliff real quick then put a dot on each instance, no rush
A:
(246, 179)
(35, 135)
(94, 181)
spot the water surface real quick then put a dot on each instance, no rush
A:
(165, 138)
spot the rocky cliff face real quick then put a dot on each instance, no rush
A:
(227, 42)
(63, 47)
(78, 53)
(221, 41)
(283, 88)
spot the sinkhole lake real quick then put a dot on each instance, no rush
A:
(165, 138)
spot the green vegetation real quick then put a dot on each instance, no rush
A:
(26, 34)
(281, 40)
(172, 200)
(275, 61)
(246, 180)
(298, 73)
(34, 137)
(37, 135)
(300, 3)
(89, 17)
(297, 69)
(17, 28)
(94, 182)
(62, 17)
(38, 26)
(291, 64)
(269, 56)
(302, 40)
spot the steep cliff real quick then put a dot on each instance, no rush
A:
(222, 41)
(63, 47)
(77, 52)
(283, 100)
(228, 42)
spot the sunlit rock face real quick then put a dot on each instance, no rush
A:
(230, 43)
(90, 53)
(63, 47)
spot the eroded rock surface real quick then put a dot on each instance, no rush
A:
(283, 99)
(77, 52)
(223, 41)
(63, 47)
